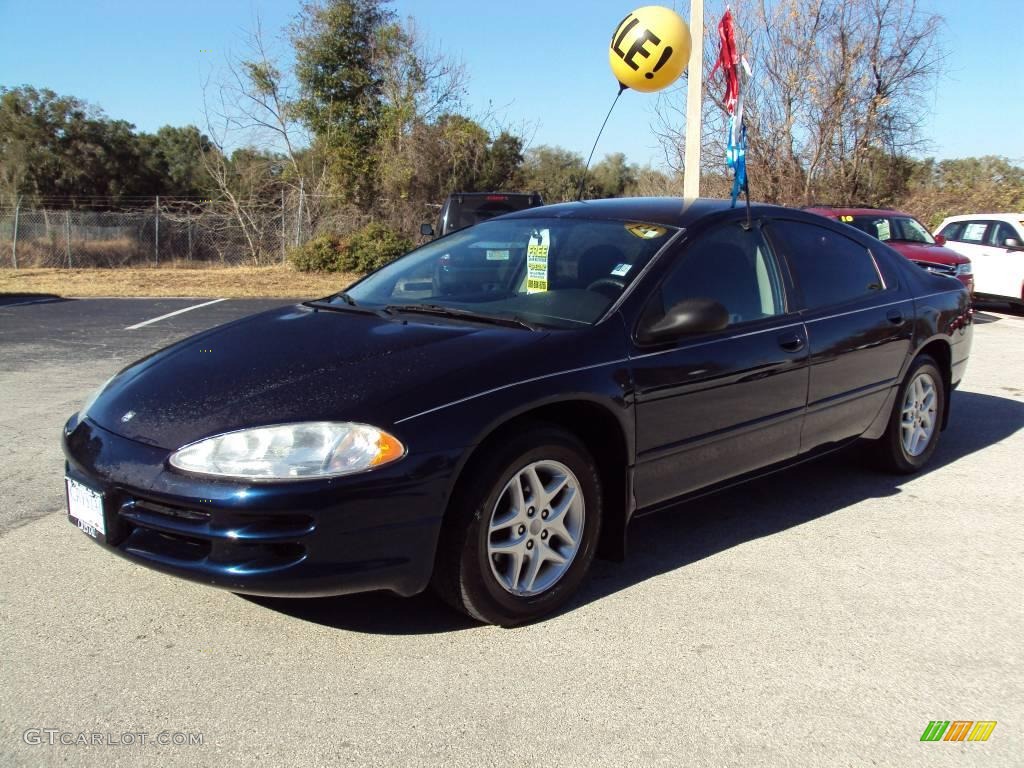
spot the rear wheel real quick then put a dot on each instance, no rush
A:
(522, 531)
(916, 420)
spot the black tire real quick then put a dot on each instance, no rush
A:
(889, 450)
(462, 573)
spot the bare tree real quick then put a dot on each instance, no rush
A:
(837, 85)
(266, 160)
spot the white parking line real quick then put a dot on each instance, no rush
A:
(172, 314)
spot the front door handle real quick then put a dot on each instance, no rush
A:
(895, 316)
(792, 342)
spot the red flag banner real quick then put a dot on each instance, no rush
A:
(729, 61)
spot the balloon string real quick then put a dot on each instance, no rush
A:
(583, 180)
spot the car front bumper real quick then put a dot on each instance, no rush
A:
(373, 531)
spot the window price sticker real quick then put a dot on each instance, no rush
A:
(537, 262)
(645, 231)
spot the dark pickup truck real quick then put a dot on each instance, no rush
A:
(464, 209)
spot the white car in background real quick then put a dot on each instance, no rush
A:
(994, 242)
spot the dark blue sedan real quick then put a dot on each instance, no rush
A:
(487, 413)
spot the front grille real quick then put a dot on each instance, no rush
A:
(938, 269)
(179, 513)
(227, 540)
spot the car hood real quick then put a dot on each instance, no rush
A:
(932, 253)
(298, 364)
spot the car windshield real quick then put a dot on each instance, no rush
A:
(885, 228)
(558, 273)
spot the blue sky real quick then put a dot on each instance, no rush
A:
(542, 64)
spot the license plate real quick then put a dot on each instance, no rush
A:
(85, 507)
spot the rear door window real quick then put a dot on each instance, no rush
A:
(999, 232)
(829, 268)
(974, 232)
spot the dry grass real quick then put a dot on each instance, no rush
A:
(88, 253)
(221, 282)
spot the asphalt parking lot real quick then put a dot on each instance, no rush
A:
(820, 617)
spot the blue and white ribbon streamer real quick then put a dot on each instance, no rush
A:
(736, 156)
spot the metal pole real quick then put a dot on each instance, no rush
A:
(298, 218)
(282, 225)
(694, 97)
(14, 242)
(156, 243)
(188, 223)
(67, 234)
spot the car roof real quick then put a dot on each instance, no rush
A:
(996, 216)
(834, 212)
(670, 211)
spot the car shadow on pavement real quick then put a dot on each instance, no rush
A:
(379, 613)
(988, 311)
(982, 318)
(16, 299)
(698, 529)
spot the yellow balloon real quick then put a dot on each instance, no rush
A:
(650, 49)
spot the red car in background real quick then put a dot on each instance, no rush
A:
(906, 235)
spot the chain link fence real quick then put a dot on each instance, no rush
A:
(157, 236)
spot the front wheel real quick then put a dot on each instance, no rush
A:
(522, 531)
(916, 420)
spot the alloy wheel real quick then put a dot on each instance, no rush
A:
(917, 421)
(535, 528)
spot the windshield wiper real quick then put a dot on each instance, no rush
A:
(513, 321)
(349, 305)
(344, 297)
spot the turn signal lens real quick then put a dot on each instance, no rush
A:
(388, 449)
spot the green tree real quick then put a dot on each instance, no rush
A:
(554, 172)
(61, 148)
(36, 129)
(940, 188)
(341, 86)
(502, 165)
(612, 177)
(178, 153)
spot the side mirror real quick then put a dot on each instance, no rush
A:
(1011, 242)
(686, 317)
(427, 230)
(940, 239)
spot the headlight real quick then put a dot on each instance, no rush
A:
(963, 269)
(290, 451)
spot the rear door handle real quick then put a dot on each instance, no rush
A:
(792, 342)
(895, 316)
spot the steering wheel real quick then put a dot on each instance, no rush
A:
(606, 284)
